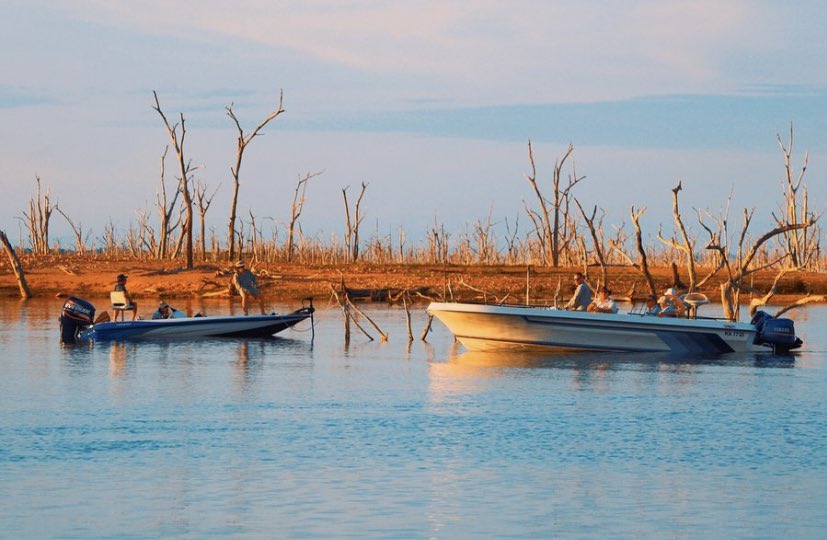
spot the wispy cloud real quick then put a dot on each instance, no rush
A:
(486, 51)
(14, 97)
(678, 121)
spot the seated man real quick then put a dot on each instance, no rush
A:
(120, 285)
(671, 305)
(246, 284)
(165, 311)
(603, 304)
(582, 297)
(652, 306)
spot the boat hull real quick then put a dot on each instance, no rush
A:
(196, 327)
(482, 327)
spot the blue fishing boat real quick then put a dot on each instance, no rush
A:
(77, 316)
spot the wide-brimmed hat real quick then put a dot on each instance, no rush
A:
(121, 277)
(240, 264)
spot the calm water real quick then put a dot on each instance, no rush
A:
(293, 438)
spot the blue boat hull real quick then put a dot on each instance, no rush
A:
(197, 327)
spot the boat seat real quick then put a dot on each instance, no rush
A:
(693, 300)
(120, 303)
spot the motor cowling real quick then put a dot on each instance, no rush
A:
(778, 333)
(76, 315)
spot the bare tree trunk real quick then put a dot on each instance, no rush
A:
(37, 220)
(185, 168)
(296, 212)
(77, 230)
(554, 219)
(25, 293)
(688, 246)
(241, 144)
(598, 248)
(352, 233)
(203, 205)
(641, 250)
(165, 212)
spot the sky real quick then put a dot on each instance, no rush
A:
(430, 103)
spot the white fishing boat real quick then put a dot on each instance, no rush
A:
(77, 316)
(487, 327)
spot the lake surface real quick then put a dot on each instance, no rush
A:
(301, 438)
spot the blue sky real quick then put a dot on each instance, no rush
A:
(431, 103)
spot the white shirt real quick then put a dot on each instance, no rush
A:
(608, 305)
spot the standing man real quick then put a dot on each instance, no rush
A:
(246, 284)
(120, 285)
(582, 294)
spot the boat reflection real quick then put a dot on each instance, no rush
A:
(600, 361)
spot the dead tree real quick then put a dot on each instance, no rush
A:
(80, 241)
(185, 168)
(241, 144)
(25, 293)
(203, 205)
(551, 221)
(598, 246)
(37, 220)
(352, 223)
(742, 266)
(687, 245)
(296, 212)
(642, 264)
(799, 243)
(165, 212)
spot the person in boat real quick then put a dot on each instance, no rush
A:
(165, 311)
(671, 305)
(246, 284)
(120, 285)
(582, 297)
(652, 306)
(603, 303)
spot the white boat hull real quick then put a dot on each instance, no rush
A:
(483, 327)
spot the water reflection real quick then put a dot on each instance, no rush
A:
(473, 361)
(117, 359)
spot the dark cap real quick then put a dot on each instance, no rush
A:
(121, 277)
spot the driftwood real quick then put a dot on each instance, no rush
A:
(427, 328)
(346, 313)
(405, 302)
(357, 310)
(25, 293)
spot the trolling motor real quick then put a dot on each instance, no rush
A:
(775, 332)
(75, 316)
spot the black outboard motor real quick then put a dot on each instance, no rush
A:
(778, 333)
(76, 315)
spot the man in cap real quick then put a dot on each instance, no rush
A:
(120, 285)
(165, 311)
(671, 304)
(246, 284)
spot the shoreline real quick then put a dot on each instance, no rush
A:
(91, 276)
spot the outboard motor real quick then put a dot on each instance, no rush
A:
(75, 316)
(778, 333)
